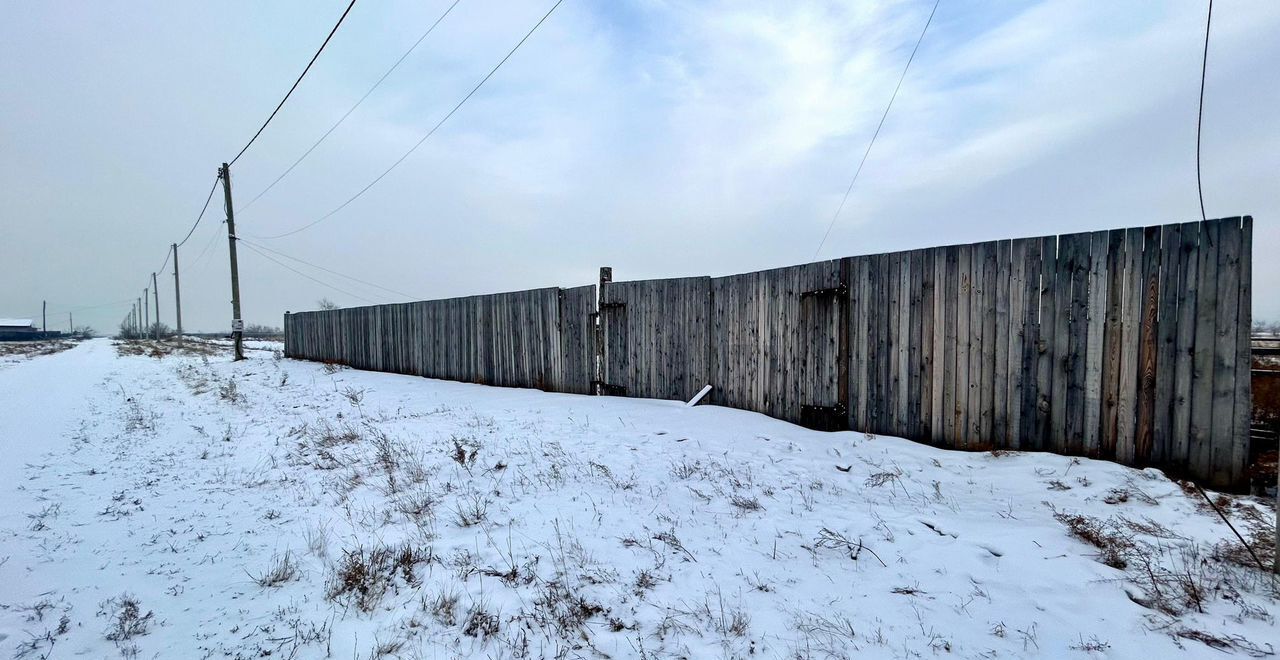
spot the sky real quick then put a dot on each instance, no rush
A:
(663, 138)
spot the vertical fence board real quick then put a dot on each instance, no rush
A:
(1244, 356)
(1225, 348)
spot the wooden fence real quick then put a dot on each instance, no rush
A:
(1127, 344)
(539, 338)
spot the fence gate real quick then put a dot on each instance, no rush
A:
(822, 400)
(655, 337)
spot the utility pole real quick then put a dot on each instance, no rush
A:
(71, 324)
(155, 291)
(177, 291)
(137, 317)
(237, 322)
(44, 316)
(146, 310)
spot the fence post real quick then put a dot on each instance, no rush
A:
(602, 353)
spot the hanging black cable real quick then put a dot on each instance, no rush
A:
(1204, 65)
(877, 131)
(332, 272)
(350, 110)
(296, 82)
(433, 130)
(202, 210)
(298, 272)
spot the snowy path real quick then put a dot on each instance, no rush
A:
(279, 508)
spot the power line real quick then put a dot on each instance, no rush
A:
(878, 127)
(353, 108)
(424, 138)
(298, 272)
(98, 306)
(327, 270)
(296, 82)
(1204, 65)
(208, 245)
(216, 179)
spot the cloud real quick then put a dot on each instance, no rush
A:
(662, 137)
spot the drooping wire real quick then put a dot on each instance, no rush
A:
(264, 255)
(202, 210)
(1204, 65)
(876, 134)
(208, 245)
(352, 109)
(433, 130)
(332, 272)
(296, 82)
(98, 306)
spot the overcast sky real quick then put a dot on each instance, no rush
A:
(663, 138)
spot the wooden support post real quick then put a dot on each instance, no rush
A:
(155, 292)
(177, 291)
(237, 322)
(602, 352)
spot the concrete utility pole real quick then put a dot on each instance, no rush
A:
(237, 322)
(177, 291)
(146, 310)
(71, 324)
(138, 316)
(155, 291)
(44, 316)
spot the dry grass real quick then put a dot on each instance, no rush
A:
(364, 576)
(30, 349)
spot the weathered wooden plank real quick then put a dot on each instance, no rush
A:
(1018, 329)
(1111, 340)
(1131, 321)
(951, 406)
(986, 373)
(1073, 366)
(1064, 268)
(1144, 433)
(964, 338)
(937, 257)
(1046, 344)
(1244, 358)
(1184, 348)
(1028, 409)
(1000, 376)
(927, 343)
(1094, 345)
(1225, 352)
(1163, 451)
(915, 319)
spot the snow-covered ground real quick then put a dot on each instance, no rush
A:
(186, 506)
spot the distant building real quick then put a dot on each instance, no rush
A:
(18, 329)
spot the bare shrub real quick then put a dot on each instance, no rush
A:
(480, 622)
(464, 452)
(443, 606)
(565, 610)
(283, 569)
(745, 504)
(472, 510)
(1115, 545)
(125, 618)
(230, 392)
(362, 577)
(833, 540)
